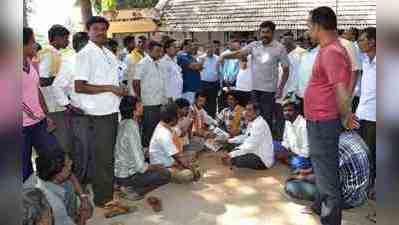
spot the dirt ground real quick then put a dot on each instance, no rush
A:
(227, 197)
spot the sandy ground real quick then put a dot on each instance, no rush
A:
(227, 197)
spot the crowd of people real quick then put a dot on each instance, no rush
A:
(104, 120)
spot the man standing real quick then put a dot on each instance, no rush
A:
(190, 69)
(131, 61)
(368, 99)
(266, 54)
(210, 78)
(96, 82)
(327, 100)
(51, 67)
(149, 86)
(174, 77)
(230, 68)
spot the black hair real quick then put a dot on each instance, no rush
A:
(168, 43)
(232, 94)
(127, 40)
(182, 102)
(57, 31)
(50, 164)
(128, 106)
(355, 31)
(38, 46)
(143, 38)
(34, 204)
(186, 42)
(201, 94)
(325, 17)
(371, 33)
(96, 19)
(79, 40)
(154, 44)
(27, 35)
(111, 44)
(269, 24)
(168, 113)
(216, 42)
(256, 107)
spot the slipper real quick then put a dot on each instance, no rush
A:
(155, 203)
(120, 210)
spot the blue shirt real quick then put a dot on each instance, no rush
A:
(230, 68)
(210, 72)
(191, 78)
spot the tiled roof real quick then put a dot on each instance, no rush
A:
(246, 15)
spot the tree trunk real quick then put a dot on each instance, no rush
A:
(86, 10)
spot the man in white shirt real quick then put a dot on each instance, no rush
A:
(174, 77)
(98, 95)
(256, 145)
(150, 87)
(52, 67)
(366, 110)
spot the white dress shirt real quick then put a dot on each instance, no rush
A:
(256, 140)
(174, 77)
(152, 81)
(368, 98)
(97, 66)
(295, 137)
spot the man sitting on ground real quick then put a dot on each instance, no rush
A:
(231, 118)
(132, 173)
(165, 147)
(256, 145)
(295, 141)
(54, 178)
(201, 119)
(353, 174)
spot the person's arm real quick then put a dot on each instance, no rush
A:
(42, 102)
(283, 59)
(236, 122)
(81, 86)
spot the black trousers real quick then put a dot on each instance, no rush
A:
(267, 103)
(211, 89)
(250, 161)
(368, 133)
(141, 181)
(151, 119)
(323, 148)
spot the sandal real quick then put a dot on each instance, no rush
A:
(155, 203)
(120, 210)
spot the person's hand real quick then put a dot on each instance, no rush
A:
(279, 93)
(51, 125)
(119, 91)
(226, 159)
(350, 121)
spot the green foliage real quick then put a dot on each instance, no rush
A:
(126, 4)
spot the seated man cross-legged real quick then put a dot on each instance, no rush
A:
(231, 118)
(132, 173)
(166, 148)
(255, 149)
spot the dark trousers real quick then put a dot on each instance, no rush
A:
(355, 103)
(211, 89)
(250, 161)
(151, 119)
(63, 131)
(301, 107)
(368, 133)
(141, 182)
(323, 148)
(243, 97)
(93, 153)
(38, 137)
(267, 103)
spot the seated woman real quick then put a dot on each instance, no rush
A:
(165, 148)
(231, 118)
(36, 208)
(132, 173)
(256, 145)
(353, 174)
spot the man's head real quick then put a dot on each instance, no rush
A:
(200, 99)
(55, 166)
(79, 40)
(320, 21)
(232, 100)
(210, 49)
(170, 48)
(266, 31)
(130, 107)
(252, 111)
(290, 109)
(288, 41)
(141, 43)
(183, 107)
(28, 42)
(368, 40)
(352, 34)
(112, 45)
(36, 208)
(217, 45)
(58, 36)
(309, 42)
(155, 50)
(97, 28)
(235, 45)
(129, 42)
(169, 114)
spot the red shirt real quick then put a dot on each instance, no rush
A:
(332, 66)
